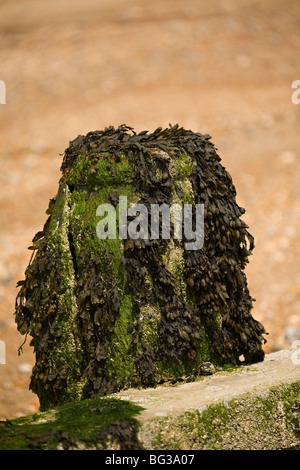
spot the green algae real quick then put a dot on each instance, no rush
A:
(264, 421)
(182, 166)
(121, 363)
(81, 425)
(99, 170)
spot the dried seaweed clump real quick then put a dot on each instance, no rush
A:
(108, 314)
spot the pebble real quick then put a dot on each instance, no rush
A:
(207, 368)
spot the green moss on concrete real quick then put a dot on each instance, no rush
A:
(73, 425)
(182, 166)
(265, 421)
(150, 317)
(186, 190)
(120, 363)
(98, 170)
(218, 320)
(84, 219)
(67, 354)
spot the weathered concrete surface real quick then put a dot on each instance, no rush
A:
(252, 407)
(277, 369)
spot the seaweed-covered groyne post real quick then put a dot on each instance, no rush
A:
(109, 313)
